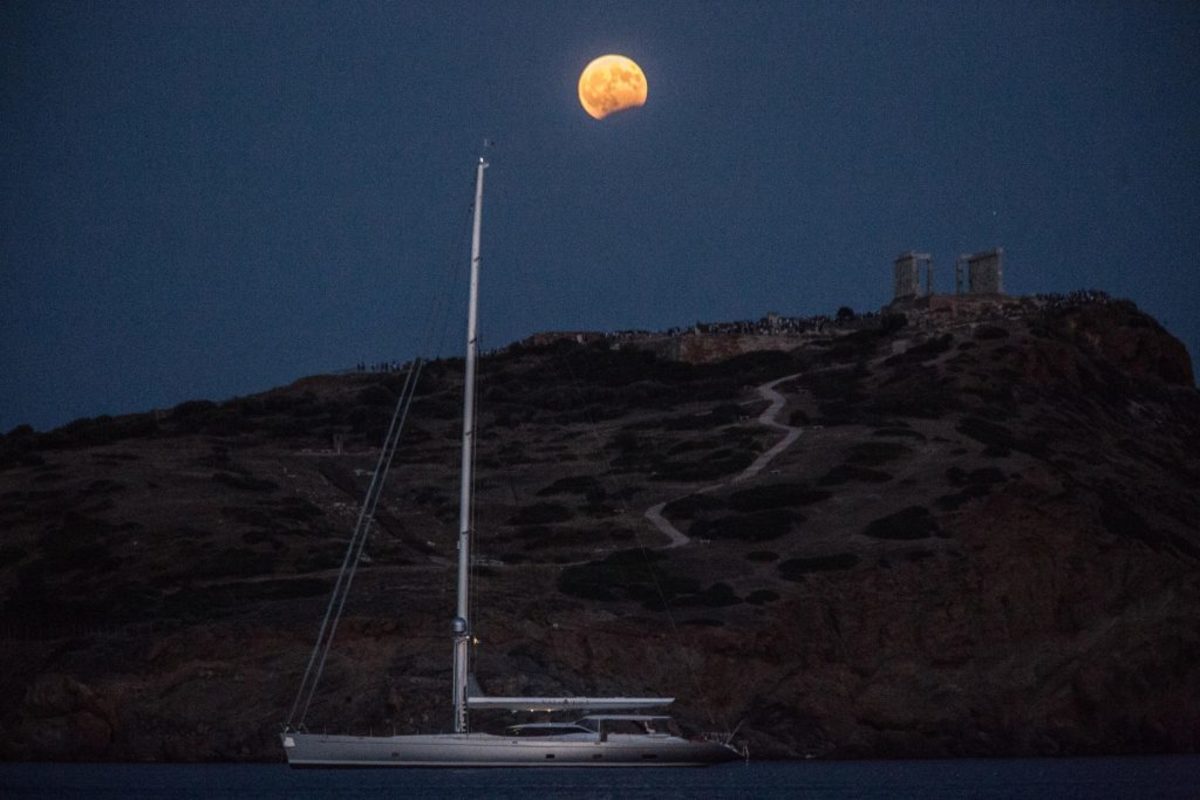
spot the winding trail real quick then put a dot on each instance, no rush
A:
(769, 418)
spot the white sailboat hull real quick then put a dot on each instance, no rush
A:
(489, 750)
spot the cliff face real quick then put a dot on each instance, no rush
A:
(984, 541)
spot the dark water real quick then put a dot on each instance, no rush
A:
(1069, 779)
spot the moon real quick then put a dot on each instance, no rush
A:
(611, 83)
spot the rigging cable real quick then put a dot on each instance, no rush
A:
(362, 528)
(437, 316)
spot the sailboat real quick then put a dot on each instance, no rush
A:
(607, 731)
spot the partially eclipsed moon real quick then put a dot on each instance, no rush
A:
(611, 83)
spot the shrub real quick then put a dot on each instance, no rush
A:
(715, 596)
(798, 418)
(851, 472)
(984, 476)
(574, 484)
(249, 515)
(240, 562)
(905, 432)
(376, 395)
(852, 347)
(990, 332)
(626, 574)
(718, 464)
(688, 507)
(541, 514)
(757, 526)
(873, 454)
(245, 482)
(761, 597)
(951, 502)
(794, 569)
(80, 542)
(929, 349)
(297, 508)
(776, 495)
(10, 554)
(999, 439)
(913, 522)
(1122, 521)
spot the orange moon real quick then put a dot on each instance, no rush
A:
(611, 83)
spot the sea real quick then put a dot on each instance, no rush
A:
(1135, 778)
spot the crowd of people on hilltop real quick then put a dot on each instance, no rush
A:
(1079, 297)
(379, 366)
(779, 325)
(767, 326)
(771, 325)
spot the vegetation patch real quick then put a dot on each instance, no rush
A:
(321, 558)
(794, 569)
(852, 472)
(1121, 520)
(10, 554)
(764, 556)
(540, 537)
(376, 395)
(298, 509)
(715, 596)
(218, 601)
(914, 522)
(852, 347)
(720, 463)
(953, 502)
(756, 526)
(903, 432)
(575, 484)
(991, 332)
(976, 483)
(688, 507)
(541, 514)
(874, 454)
(233, 562)
(248, 515)
(245, 482)
(929, 349)
(999, 439)
(626, 575)
(80, 542)
(799, 418)
(984, 476)
(776, 495)
(760, 597)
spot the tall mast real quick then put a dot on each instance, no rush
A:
(461, 624)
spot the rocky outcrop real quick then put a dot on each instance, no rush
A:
(62, 719)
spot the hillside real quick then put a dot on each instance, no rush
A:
(981, 539)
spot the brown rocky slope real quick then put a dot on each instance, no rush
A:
(984, 542)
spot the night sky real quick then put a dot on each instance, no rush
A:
(208, 199)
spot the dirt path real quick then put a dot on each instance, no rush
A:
(770, 418)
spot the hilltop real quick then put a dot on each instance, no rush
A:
(981, 540)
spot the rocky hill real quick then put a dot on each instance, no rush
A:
(981, 537)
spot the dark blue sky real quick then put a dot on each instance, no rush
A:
(205, 199)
